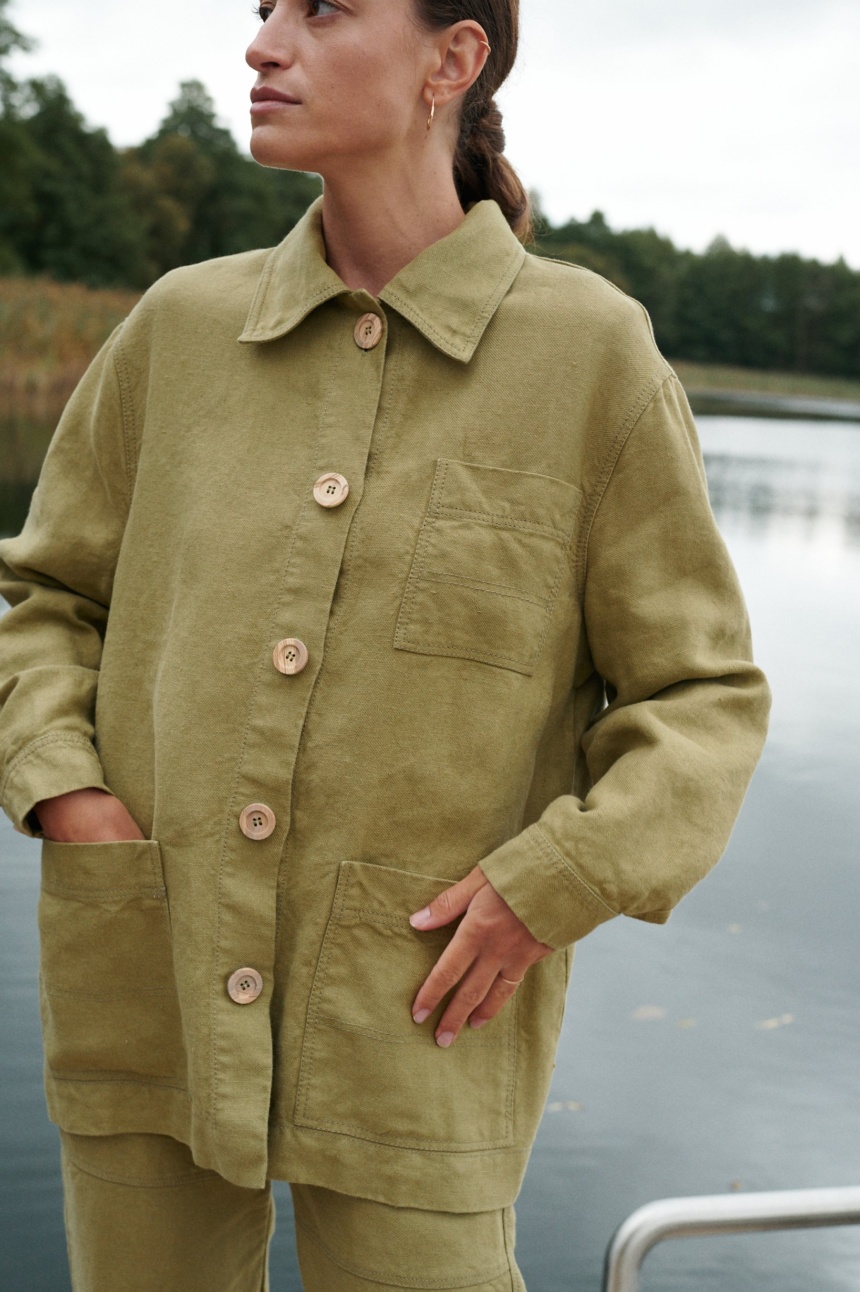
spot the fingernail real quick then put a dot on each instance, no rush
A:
(444, 1039)
(478, 1022)
(420, 918)
(421, 1016)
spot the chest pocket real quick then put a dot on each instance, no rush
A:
(488, 564)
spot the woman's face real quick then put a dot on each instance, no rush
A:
(352, 73)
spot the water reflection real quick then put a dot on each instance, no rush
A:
(800, 478)
(24, 439)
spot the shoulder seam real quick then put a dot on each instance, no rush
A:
(129, 430)
(584, 269)
(634, 300)
(594, 498)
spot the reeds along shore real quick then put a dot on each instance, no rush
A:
(49, 332)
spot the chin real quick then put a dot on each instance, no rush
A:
(269, 147)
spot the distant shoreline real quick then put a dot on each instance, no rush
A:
(741, 403)
(748, 392)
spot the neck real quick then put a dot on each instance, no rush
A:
(373, 226)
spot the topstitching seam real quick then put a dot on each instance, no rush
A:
(51, 738)
(610, 461)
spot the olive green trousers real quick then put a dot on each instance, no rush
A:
(142, 1217)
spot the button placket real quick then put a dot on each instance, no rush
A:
(275, 721)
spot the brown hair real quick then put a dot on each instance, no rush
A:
(480, 169)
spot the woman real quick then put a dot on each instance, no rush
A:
(354, 672)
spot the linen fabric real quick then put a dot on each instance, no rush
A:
(527, 648)
(142, 1217)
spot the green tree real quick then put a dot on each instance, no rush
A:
(14, 148)
(75, 220)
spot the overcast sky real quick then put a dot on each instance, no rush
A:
(699, 117)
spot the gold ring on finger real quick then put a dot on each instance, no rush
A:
(512, 982)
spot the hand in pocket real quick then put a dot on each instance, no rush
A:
(484, 962)
(86, 816)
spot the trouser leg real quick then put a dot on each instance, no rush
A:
(142, 1217)
(355, 1245)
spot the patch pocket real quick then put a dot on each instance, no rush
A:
(366, 1069)
(107, 991)
(488, 563)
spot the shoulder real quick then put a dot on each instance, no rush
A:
(595, 313)
(213, 297)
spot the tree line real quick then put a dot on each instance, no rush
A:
(725, 305)
(75, 208)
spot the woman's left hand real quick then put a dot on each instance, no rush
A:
(487, 956)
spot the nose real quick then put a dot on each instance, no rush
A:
(270, 47)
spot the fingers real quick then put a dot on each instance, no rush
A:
(483, 964)
(478, 985)
(480, 997)
(453, 964)
(450, 903)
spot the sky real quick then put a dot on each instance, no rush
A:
(738, 118)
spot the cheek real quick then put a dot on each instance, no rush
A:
(364, 98)
(353, 103)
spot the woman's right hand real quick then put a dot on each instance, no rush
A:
(86, 816)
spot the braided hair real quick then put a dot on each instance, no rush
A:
(480, 168)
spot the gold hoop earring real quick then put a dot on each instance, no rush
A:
(432, 112)
(486, 46)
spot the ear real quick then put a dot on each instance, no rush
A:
(462, 51)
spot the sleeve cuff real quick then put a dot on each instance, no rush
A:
(49, 766)
(555, 905)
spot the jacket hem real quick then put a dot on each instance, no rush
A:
(429, 1180)
(467, 1181)
(80, 1107)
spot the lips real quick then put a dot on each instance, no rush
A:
(265, 94)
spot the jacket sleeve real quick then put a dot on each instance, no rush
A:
(57, 576)
(670, 757)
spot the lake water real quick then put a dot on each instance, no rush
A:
(716, 1053)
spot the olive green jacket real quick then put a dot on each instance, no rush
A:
(526, 648)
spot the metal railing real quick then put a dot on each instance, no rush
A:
(721, 1213)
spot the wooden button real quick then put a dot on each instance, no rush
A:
(244, 985)
(290, 655)
(257, 821)
(368, 331)
(331, 489)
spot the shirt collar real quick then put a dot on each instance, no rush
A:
(450, 291)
